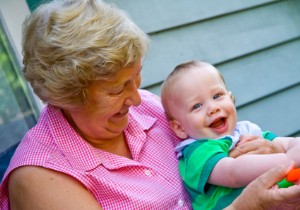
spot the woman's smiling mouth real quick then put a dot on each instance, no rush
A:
(121, 114)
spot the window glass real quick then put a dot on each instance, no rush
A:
(17, 111)
(35, 3)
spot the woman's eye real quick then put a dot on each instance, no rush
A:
(197, 106)
(117, 92)
(217, 96)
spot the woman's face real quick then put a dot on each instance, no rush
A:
(104, 116)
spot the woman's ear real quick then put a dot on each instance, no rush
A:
(231, 96)
(178, 129)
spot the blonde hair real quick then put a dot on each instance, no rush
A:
(67, 44)
(167, 84)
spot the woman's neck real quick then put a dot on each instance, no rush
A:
(116, 145)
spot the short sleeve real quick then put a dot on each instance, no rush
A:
(269, 135)
(198, 161)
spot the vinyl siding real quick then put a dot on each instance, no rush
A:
(255, 44)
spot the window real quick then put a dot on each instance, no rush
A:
(18, 113)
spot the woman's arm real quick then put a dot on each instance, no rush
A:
(240, 171)
(263, 193)
(32, 187)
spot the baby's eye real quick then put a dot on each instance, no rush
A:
(217, 96)
(197, 106)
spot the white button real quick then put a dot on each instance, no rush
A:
(180, 202)
(148, 172)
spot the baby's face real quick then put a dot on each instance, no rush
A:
(201, 105)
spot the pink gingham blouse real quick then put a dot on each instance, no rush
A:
(148, 181)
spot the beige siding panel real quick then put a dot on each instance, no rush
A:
(155, 89)
(297, 134)
(263, 73)
(220, 40)
(255, 44)
(156, 15)
(278, 113)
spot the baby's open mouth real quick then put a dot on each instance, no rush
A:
(217, 123)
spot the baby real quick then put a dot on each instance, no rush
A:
(201, 111)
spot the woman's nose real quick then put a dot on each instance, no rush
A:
(134, 98)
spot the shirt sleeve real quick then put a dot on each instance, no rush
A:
(198, 161)
(269, 135)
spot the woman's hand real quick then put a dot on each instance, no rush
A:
(249, 144)
(263, 193)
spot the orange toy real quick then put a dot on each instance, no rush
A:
(292, 176)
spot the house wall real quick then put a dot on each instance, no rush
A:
(255, 44)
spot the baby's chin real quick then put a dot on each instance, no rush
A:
(216, 136)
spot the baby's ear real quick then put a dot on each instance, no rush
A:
(231, 96)
(178, 129)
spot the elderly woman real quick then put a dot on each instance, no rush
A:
(100, 142)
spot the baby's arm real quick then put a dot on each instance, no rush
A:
(291, 146)
(240, 171)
